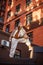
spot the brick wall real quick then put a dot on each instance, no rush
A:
(38, 36)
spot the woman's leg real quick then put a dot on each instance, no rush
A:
(13, 47)
(28, 43)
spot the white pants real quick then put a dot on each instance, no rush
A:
(14, 45)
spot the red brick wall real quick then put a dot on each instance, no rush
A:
(38, 36)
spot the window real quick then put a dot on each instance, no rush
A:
(2, 8)
(28, 2)
(9, 14)
(18, 8)
(30, 34)
(2, 4)
(17, 54)
(17, 22)
(9, 2)
(1, 19)
(28, 19)
(7, 28)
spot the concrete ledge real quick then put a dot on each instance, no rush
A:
(18, 61)
(5, 33)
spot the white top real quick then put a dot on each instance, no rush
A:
(13, 33)
(16, 30)
(21, 32)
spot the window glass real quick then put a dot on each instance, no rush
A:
(9, 14)
(18, 8)
(17, 22)
(1, 19)
(28, 2)
(9, 2)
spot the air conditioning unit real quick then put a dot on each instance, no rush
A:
(5, 43)
(16, 13)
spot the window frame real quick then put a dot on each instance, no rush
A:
(2, 19)
(9, 14)
(9, 2)
(18, 8)
(28, 2)
(17, 22)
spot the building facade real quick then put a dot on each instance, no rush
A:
(2, 13)
(27, 13)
